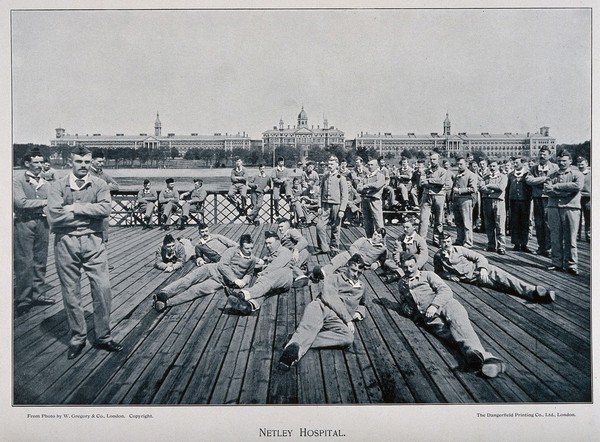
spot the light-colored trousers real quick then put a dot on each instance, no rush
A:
(564, 223)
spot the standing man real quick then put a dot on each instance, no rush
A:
(462, 194)
(359, 173)
(48, 173)
(258, 185)
(492, 191)
(428, 301)
(371, 189)
(586, 195)
(275, 278)
(169, 200)
(328, 321)
(238, 186)
(30, 199)
(78, 204)
(146, 198)
(536, 178)
(96, 170)
(196, 199)
(434, 194)
(564, 203)
(448, 209)
(280, 179)
(519, 194)
(334, 198)
(458, 264)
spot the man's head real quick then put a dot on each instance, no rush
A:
(198, 183)
(474, 166)
(81, 160)
(296, 181)
(461, 164)
(409, 226)
(494, 166)
(246, 244)
(261, 168)
(98, 159)
(280, 162)
(283, 225)
(33, 161)
(203, 230)
(378, 236)
(46, 165)
(355, 267)
(434, 160)
(404, 163)
(238, 163)
(446, 164)
(582, 164)
(272, 241)
(381, 161)
(519, 163)
(373, 165)
(170, 183)
(544, 155)
(169, 242)
(147, 184)
(358, 162)
(564, 160)
(483, 164)
(310, 166)
(408, 263)
(332, 163)
(446, 241)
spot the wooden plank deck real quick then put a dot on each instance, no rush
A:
(201, 352)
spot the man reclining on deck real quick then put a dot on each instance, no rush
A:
(328, 321)
(276, 277)
(372, 251)
(459, 264)
(211, 246)
(173, 254)
(234, 270)
(428, 301)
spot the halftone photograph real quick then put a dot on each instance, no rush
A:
(301, 207)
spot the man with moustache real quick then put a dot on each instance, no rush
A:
(78, 205)
(432, 182)
(30, 199)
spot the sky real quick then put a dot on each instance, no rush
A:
(373, 71)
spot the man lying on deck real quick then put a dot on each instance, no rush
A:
(275, 278)
(328, 321)
(372, 251)
(171, 255)
(428, 301)
(408, 241)
(211, 246)
(459, 264)
(234, 271)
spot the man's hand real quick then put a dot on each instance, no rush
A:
(239, 282)
(483, 276)
(69, 208)
(374, 266)
(350, 325)
(200, 262)
(295, 256)
(431, 311)
(169, 269)
(451, 277)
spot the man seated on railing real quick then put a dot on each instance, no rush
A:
(146, 198)
(310, 200)
(210, 246)
(404, 185)
(276, 277)
(294, 197)
(233, 271)
(193, 199)
(238, 186)
(352, 215)
(169, 200)
(280, 179)
(309, 174)
(328, 321)
(258, 185)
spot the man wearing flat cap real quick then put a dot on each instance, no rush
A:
(169, 200)
(78, 205)
(30, 198)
